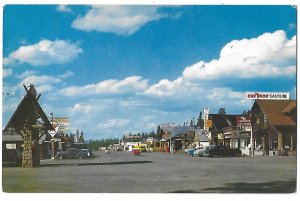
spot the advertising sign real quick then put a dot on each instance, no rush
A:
(268, 95)
(206, 112)
(63, 123)
(243, 123)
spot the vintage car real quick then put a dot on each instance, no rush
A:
(202, 151)
(88, 153)
(220, 150)
(74, 153)
(136, 150)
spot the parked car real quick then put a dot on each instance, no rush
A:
(197, 151)
(88, 153)
(223, 151)
(191, 151)
(136, 150)
(72, 153)
(11, 157)
(202, 151)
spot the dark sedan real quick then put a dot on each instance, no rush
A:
(73, 153)
(86, 153)
(223, 151)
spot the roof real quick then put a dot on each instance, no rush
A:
(275, 111)
(289, 107)
(24, 112)
(8, 136)
(178, 131)
(201, 135)
(221, 121)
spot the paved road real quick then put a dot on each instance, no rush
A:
(121, 172)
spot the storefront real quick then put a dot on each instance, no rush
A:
(274, 125)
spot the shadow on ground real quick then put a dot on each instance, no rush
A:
(86, 164)
(241, 187)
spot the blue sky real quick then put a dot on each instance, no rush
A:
(119, 69)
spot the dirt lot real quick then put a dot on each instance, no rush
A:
(121, 172)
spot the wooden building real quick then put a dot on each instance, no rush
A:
(275, 124)
(31, 124)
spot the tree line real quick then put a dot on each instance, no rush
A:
(95, 144)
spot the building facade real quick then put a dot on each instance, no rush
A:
(274, 125)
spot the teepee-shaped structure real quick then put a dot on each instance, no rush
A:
(30, 121)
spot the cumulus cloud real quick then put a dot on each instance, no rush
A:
(9, 105)
(128, 85)
(87, 108)
(270, 54)
(164, 87)
(66, 75)
(7, 72)
(267, 56)
(44, 53)
(26, 74)
(42, 79)
(64, 8)
(113, 123)
(43, 83)
(121, 20)
(177, 89)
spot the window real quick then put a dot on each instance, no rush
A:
(265, 118)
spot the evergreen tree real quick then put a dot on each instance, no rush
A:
(200, 122)
(81, 139)
(158, 132)
(222, 111)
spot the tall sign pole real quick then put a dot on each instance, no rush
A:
(251, 139)
(206, 112)
(244, 125)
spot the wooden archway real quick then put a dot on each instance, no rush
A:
(31, 122)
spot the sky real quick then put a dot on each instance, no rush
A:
(118, 69)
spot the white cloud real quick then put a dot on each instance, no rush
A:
(9, 105)
(64, 8)
(87, 108)
(165, 87)
(42, 79)
(66, 75)
(226, 97)
(26, 74)
(129, 84)
(177, 89)
(122, 20)
(113, 123)
(7, 72)
(269, 55)
(42, 83)
(44, 53)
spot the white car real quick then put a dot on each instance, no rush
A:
(202, 151)
(196, 152)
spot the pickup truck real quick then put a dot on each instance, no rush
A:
(223, 151)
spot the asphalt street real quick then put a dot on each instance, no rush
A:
(122, 172)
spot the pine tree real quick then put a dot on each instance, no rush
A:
(200, 122)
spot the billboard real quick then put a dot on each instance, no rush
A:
(268, 95)
(63, 123)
